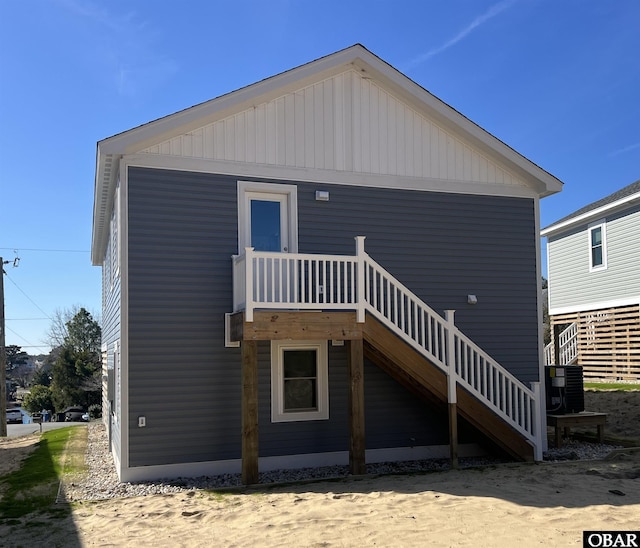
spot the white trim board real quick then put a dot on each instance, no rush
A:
(588, 307)
(603, 211)
(293, 174)
(293, 462)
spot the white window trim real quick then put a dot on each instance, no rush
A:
(277, 381)
(602, 224)
(248, 190)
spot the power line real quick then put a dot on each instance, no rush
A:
(48, 250)
(18, 335)
(27, 296)
(24, 319)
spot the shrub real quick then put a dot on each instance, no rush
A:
(95, 411)
(38, 398)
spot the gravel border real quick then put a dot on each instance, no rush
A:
(101, 481)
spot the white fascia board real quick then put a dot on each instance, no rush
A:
(154, 132)
(264, 171)
(107, 173)
(543, 182)
(590, 215)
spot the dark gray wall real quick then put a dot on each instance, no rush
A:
(182, 233)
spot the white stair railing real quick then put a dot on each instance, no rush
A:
(428, 332)
(337, 282)
(568, 343)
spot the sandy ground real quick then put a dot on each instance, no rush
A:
(547, 504)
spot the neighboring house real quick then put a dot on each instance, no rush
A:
(594, 287)
(246, 328)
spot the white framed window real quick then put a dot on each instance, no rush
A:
(267, 217)
(597, 234)
(299, 381)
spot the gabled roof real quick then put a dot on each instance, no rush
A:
(619, 199)
(355, 58)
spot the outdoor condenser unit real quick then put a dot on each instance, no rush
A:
(565, 391)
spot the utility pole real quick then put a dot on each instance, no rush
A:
(3, 359)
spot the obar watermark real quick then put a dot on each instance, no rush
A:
(611, 539)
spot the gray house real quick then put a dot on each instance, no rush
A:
(330, 266)
(594, 286)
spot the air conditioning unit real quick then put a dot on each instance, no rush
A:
(564, 388)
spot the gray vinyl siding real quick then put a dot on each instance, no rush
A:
(182, 233)
(443, 247)
(572, 285)
(285, 438)
(111, 322)
(393, 416)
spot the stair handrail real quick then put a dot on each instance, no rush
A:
(427, 331)
(568, 347)
(568, 341)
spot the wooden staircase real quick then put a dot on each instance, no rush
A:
(421, 349)
(420, 376)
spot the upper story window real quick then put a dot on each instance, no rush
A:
(267, 217)
(597, 245)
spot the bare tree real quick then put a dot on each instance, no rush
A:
(58, 331)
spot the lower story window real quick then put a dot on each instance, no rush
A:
(299, 383)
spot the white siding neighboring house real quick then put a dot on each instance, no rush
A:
(594, 282)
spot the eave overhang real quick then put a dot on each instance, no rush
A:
(592, 215)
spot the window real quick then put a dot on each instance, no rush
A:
(597, 246)
(299, 381)
(267, 217)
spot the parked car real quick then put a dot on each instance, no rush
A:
(14, 415)
(73, 414)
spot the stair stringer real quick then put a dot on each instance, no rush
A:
(416, 373)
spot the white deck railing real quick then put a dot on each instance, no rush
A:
(335, 282)
(293, 280)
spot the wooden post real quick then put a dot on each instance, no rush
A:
(3, 359)
(357, 460)
(452, 395)
(453, 433)
(249, 412)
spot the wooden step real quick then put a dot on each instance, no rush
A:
(420, 376)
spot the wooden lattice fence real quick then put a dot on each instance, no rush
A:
(608, 341)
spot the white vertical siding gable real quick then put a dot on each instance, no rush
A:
(343, 123)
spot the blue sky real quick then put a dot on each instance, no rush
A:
(557, 80)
